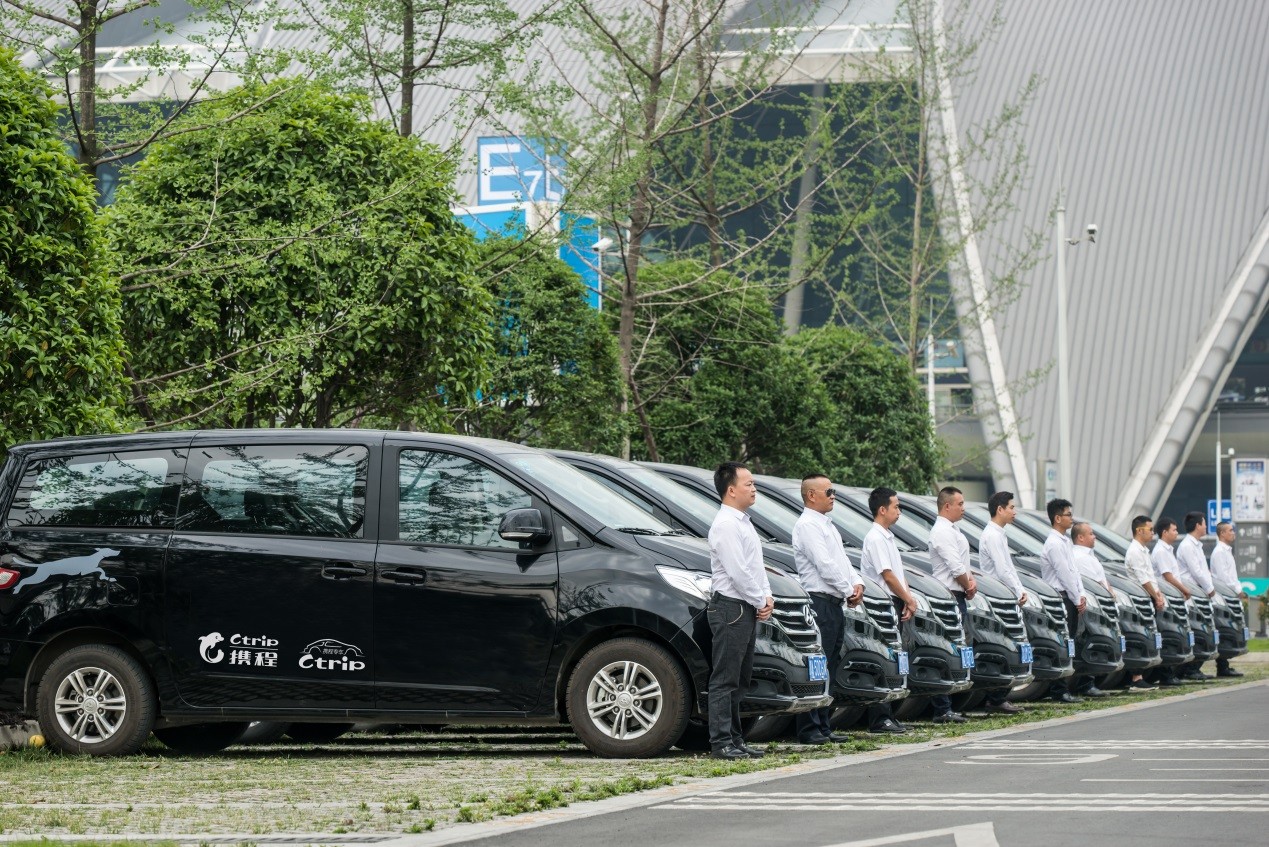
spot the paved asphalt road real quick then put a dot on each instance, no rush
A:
(1181, 773)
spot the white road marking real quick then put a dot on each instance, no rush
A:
(1188, 770)
(1196, 779)
(1202, 759)
(1033, 759)
(970, 835)
(896, 801)
(1129, 744)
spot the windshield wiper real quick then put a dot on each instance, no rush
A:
(679, 532)
(637, 530)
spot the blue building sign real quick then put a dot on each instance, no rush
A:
(517, 170)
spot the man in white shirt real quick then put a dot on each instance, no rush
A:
(1193, 565)
(881, 562)
(995, 560)
(1086, 562)
(1225, 571)
(1140, 571)
(1163, 557)
(741, 598)
(828, 576)
(1057, 568)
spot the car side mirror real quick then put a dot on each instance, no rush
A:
(524, 525)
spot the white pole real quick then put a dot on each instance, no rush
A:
(1065, 478)
(929, 377)
(1212, 529)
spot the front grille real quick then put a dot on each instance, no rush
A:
(793, 615)
(1056, 610)
(949, 616)
(1204, 608)
(883, 618)
(1236, 612)
(1144, 607)
(1110, 610)
(1011, 616)
(806, 689)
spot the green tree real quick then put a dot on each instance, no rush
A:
(61, 353)
(555, 378)
(297, 266)
(715, 380)
(879, 432)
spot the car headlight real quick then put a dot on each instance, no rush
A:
(695, 583)
(1094, 605)
(1033, 602)
(979, 604)
(1189, 604)
(1218, 600)
(1122, 598)
(922, 603)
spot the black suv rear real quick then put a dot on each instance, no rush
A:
(193, 582)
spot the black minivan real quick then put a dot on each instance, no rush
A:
(189, 583)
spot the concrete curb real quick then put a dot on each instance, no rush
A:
(17, 735)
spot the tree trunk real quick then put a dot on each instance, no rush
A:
(87, 93)
(407, 69)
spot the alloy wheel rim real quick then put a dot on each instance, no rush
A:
(90, 705)
(624, 700)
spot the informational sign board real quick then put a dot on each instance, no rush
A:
(1226, 514)
(1248, 491)
(517, 170)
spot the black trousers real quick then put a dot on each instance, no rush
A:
(1076, 683)
(734, 626)
(831, 621)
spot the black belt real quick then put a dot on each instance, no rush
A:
(718, 595)
(824, 595)
(960, 594)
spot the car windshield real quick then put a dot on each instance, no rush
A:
(1110, 546)
(700, 506)
(591, 497)
(857, 525)
(776, 513)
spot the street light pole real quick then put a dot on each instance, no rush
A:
(1063, 364)
(1218, 471)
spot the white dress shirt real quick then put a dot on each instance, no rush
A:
(1087, 563)
(882, 554)
(949, 554)
(1223, 567)
(735, 558)
(1163, 559)
(1057, 566)
(995, 559)
(1190, 555)
(822, 564)
(1137, 560)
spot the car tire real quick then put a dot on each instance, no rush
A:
(969, 700)
(201, 739)
(264, 732)
(1033, 690)
(847, 716)
(317, 733)
(614, 672)
(911, 708)
(1113, 680)
(769, 727)
(121, 709)
(695, 737)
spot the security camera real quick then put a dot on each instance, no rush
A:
(602, 244)
(1092, 232)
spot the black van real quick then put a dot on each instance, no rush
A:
(192, 582)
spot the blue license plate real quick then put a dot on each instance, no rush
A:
(1191, 639)
(967, 657)
(1028, 653)
(1246, 633)
(1216, 637)
(1123, 644)
(1070, 648)
(902, 656)
(818, 666)
(1158, 641)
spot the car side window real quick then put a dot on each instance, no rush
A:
(100, 490)
(294, 489)
(445, 498)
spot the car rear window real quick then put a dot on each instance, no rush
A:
(126, 489)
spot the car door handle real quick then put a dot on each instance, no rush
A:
(342, 571)
(409, 577)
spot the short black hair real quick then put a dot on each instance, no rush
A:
(725, 476)
(1193, 519)
(998, 501)
(1055, 507)
(1222, 525)
(1164, 524)
(946, 494)
(880, 498)
(1138, 522)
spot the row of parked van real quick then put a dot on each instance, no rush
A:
(190, 584)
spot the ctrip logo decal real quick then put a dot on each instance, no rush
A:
(327, 654)
(258, 651)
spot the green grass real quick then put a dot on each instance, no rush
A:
(1258, 645)
(377, 783)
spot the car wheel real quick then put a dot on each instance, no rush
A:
(201, 739)
(967, 701)
(695, 737)
(911, 708)
(264, 732)
(847, 716)
(628, 698)
(1033, 690)
(768, 728)
(96, 699)
(1113, 680)
(317, 733)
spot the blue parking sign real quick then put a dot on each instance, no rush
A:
(1226, 514)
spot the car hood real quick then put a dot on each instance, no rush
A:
(693, 554)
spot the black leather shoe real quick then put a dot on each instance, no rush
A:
(729, 752)
(1142, 685)
(1229, 672)
(838, 737)
(1067, 697)
(949, 717)
(1003, 708)
(751, 752)
(815, 739)
(1094, 692)
(889, 725)
(1196, 676)
(1171, 683)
